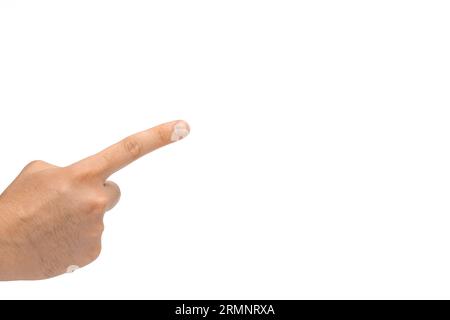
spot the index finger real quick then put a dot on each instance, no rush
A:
(121, 154)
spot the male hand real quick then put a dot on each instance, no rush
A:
(51, 218)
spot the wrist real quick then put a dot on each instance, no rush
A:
(8, 248)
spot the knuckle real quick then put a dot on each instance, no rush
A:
(95, 252)
(162, 135)
(98, 205)
(133, 147)
(79, 174)
(97, 228)
(100, 228)
(63, 187)
(35, 163)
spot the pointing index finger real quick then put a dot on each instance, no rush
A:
(121, 154)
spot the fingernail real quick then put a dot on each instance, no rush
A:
(180, 130)
(71, 269)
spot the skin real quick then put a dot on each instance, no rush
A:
(51, 218)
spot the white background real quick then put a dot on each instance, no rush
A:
(319, 160)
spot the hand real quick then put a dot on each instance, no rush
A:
(51, 218)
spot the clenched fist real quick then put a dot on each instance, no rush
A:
(51, 218)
